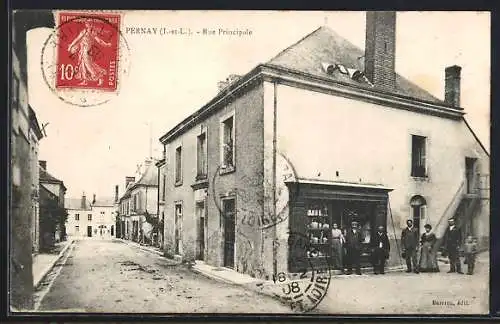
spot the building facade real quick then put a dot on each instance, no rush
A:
(278, 153)
(53, 213)
(35, 135)
(138, 206)
(91, 219)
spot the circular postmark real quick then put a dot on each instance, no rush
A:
(282, 191)
(85, 58)
(304, 290)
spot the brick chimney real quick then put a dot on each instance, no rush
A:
(116, 193)
(129, 180)
(380, 48)
(83, 204)
(43, 164)
(452, 85)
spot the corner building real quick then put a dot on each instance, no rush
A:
(313, 137)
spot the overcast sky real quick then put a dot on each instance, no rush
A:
(92, 149)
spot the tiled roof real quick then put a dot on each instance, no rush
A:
(325, 46)
(45, 176)
(104, 202)
(75, 203)
(149, 177)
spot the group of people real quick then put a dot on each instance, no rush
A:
(425, 246)
(420, 253)
(348, 245)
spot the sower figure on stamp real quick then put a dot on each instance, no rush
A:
(452, 239)
(380, 250)
(410, 242)
(353, 246)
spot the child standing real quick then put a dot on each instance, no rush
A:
(470, 251)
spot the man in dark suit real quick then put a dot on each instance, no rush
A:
(354, 238)
(380, 250)
(409, 242)
(453, 239)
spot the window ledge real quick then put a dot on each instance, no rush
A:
(200, 184)
(227, 169)
(178, 183)
(421, 178)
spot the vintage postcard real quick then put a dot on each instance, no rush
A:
(250, 162)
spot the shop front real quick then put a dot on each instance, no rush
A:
(315, 206)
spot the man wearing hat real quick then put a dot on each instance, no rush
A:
(410, 241)
(380, 250)
(453, 239)
(353, 247)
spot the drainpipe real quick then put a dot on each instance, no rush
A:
(275, 231)
(158, 201)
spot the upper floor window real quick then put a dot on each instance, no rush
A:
(418, 160)
(89, 217)
(227, 143)
(178, 165)
(77, 217)
(201, 157)
(164, 184)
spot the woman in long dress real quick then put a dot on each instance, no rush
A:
(337, 242)
(428, 257)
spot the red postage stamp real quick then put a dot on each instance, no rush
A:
(87, 51)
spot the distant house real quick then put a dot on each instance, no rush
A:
(323, 133)
(139, 204)
(94, 218)
(52, 211)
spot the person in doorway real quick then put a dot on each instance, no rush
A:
(380, 250)
(428, 258)
(337, 246)
(409, 242)
(470, 251)
(453, 238)
(353, 246)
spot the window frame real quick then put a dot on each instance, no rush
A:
(77, 217)
(224, 168)
(89, 217)
(202, 171)
(178, 169)
(419, 162)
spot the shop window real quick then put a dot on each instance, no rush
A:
(418, 160)
(178, 165)
(418, 209)
(201, 157)
(227, 144)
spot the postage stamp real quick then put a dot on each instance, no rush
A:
(87, 51)
(86, 57)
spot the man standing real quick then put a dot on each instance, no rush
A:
(380, 248)
(453, 238)
(409, 241)
(353, 246)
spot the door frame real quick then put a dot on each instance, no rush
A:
(223, 231)
(91, 229)
(178, 228)
(203, 227)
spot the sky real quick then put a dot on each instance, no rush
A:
(92, 149)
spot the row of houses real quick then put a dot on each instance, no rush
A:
(322, 133)
(36, 198)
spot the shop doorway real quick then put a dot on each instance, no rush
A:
(89, 231)
(200, 215)
(228, 218)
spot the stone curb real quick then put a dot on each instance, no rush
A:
(144, 248)
(51, 265)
